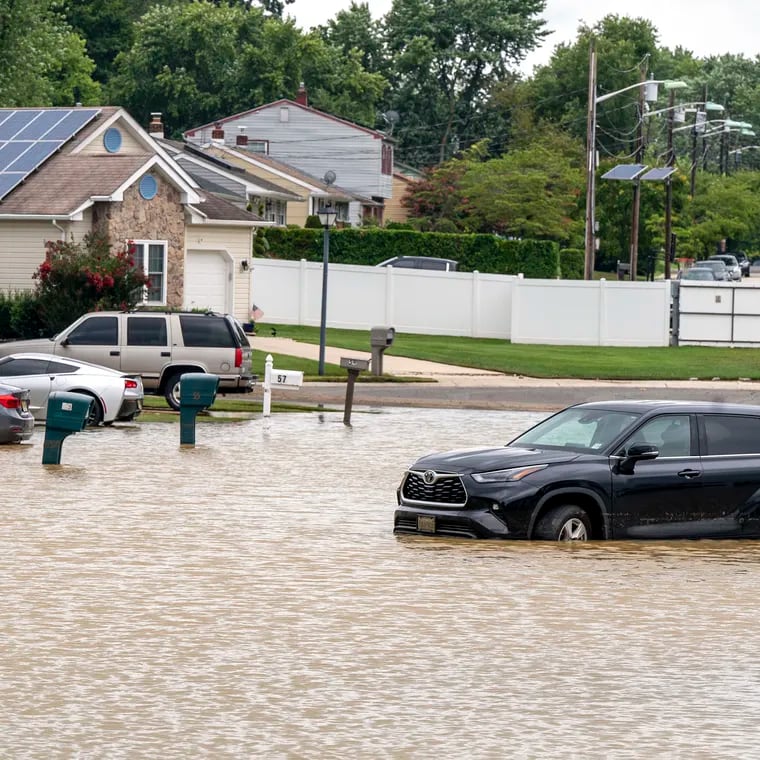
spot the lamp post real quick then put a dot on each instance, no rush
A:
(326, 214)
(649, 90)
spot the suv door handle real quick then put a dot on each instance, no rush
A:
(166, 353)
(689, 474)
(113, 353)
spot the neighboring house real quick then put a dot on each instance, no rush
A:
(313, 192)
(214, 174)
(315, 143)
(65, 172)
(403, 177)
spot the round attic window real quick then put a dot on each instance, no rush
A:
(112, 140)
(148, 187)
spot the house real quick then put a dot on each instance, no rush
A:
(229, 180)
(313, 192)
(314, 142)
(66, 172)
(403, 178)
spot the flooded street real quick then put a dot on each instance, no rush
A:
(247, 598)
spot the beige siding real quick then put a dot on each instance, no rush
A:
(22, 250)
(394, 211)
(297, 210)
(236, 242)
(129, 145)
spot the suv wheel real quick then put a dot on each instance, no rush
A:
(568, 523)
(171, 391)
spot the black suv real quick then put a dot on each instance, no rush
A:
(158, 346)
(618, 470)
(744, 262)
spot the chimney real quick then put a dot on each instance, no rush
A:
(156, 127)
(242, 138)
(217, 133)
(301, 96)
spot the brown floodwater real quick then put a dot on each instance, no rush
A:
(247, 598)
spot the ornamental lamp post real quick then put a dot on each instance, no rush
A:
(327, 215)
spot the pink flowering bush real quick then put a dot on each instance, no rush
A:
(79, 277)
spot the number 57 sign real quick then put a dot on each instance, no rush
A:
(280, 378)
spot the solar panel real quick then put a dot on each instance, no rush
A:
(28, 137)
(659, 174)
(625, 172)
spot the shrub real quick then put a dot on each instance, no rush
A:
(572, 263)
(312, 223)
(79, 277)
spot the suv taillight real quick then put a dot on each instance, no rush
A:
(9, 401)
(238, 357)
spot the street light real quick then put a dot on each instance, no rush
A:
(649, 90)
(327, 215)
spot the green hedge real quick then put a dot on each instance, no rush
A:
(572, 263)
(484, 253)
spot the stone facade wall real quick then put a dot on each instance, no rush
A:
(161, 218)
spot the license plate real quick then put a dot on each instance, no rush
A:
(425, 524)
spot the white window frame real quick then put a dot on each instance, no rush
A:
(164, 263)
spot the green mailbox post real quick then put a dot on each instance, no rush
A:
(197, 391)
(67, 413)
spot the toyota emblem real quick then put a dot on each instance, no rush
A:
(429, 476)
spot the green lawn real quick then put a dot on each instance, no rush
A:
(583, 362)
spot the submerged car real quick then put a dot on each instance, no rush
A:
(116, 396)
(16, 421)
(602, 470)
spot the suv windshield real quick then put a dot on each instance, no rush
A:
(577, 429)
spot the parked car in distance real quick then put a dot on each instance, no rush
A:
(701, 273)
(115, 396)
(600, 470)
(420, 262)
(717, 266)
(159, 346)
(16, 421)
(732, 265)
(744, 262)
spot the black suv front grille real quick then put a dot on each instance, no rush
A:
(447, 489)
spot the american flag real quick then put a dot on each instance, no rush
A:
(256, 313)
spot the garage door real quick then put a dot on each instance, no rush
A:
(206, 281)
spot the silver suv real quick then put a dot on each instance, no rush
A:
(159, 346)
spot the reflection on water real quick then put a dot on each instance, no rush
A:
(246, 598)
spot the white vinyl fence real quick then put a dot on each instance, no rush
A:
(472, 304)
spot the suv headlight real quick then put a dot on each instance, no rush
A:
(513, 473)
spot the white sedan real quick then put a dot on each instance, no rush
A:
(116, 396)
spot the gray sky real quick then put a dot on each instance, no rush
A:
(706, 27)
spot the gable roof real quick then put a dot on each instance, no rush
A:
(71, 179)
(286, 102)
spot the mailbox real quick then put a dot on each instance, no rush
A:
(357, 365)
(287, 378)
(68, 411)
(380, 338)
(67, 414)
(197, 391)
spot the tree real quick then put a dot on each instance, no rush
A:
(198, 62)
(44, 60)
(355, 29)
(446, 57)
(529, 192)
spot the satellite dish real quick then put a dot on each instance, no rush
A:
(391, 118)
(330, 177)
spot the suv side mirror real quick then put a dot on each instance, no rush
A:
(637, 452)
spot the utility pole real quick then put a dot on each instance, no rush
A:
(590, 244)
(700, 117)
(669, 188)
(636, 184)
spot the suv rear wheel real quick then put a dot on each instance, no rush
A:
(171, 391)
